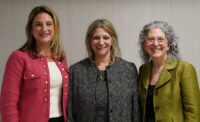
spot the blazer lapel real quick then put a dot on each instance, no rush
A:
(165, 76)
(145, 77)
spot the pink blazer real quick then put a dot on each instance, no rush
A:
(25, 92)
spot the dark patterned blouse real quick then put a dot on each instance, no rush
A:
(101, 103)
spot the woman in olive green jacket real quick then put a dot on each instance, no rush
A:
(168, 88)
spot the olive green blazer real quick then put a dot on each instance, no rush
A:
(176, 96)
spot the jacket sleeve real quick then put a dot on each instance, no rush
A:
(136, 105)
(70, 113)
(10, 91)
(190, 94)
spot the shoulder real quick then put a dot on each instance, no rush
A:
(81, 64)
(122, 63)
(119, 60)
(184, 63)
(185, 66)
(144, 66)
(17, 55)
(15, 61)
(125, 69)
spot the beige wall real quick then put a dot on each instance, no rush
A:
(128, 16)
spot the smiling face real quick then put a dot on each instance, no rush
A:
(43, 28)
(101, 43)
(156, 44)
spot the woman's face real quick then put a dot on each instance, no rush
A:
(156, 44)
(43, 28)
(101, 43)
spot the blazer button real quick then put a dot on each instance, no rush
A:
(41, 59)
(156, 92)
(66, 85)
(101, 78)
(66, 76)
(45, 99)
(65, 93)
(46, 82)
(32, 75)
(45, 74)
(44, 66)
(63, 69)
(157, 107)
(45, 90)
(59, 62)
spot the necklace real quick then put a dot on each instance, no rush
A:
(101, 75)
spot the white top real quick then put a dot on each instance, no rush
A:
(55, 90)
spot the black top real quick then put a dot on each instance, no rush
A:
(149, 103)
(101, 102)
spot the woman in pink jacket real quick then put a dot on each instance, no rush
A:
(35, 82)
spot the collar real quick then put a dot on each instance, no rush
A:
(164, 77)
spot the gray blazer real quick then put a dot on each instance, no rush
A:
(122, 77)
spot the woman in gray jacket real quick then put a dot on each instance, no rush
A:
(103, 87)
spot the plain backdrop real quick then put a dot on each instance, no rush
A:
(128, 17)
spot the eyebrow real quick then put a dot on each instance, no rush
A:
(100, 35)
(41, 22)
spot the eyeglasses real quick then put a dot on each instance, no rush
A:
(152, 40)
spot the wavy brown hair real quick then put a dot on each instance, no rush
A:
(56, 43)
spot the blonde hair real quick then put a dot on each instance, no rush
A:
(108, 27)
(56, 43)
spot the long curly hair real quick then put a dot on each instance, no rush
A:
(173, 52)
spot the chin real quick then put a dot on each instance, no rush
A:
(101, 54)
(156, 56)
(45, 40)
